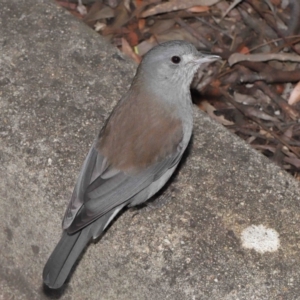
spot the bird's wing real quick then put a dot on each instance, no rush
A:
(92, 198)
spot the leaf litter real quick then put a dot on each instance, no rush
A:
(254, 91)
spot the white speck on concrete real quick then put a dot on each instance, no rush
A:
(49, 161)
(260, 238)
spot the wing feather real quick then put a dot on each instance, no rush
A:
(111, 189)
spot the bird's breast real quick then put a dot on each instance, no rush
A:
(140, 133)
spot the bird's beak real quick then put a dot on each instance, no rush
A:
(206, 58)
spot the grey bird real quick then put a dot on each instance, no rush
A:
(135, 153)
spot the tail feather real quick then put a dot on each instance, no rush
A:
(63, 258)
(69, 248)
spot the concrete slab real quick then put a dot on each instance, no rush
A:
(59, 80)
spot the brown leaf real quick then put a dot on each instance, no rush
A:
(244, 99)
(141, 24)
(238, 57)
(132, 38)
(143, 47)
(260, 114)
(126, 49)
(198, 9)
(264, 147)
(204, 105)
(121, 15)
(295, 95)
(81, 9)
(161, 26)
(98, 12)
(293, 161)
(176, 5)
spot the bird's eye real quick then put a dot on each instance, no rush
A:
(176, 59)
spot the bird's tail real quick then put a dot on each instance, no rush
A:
(63, 258)
(69, 248)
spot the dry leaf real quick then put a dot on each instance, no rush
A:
(126, 49)
(232, 6)
(295, 95)
(104, 12)
(99, 26)
(238, 57)
(176, 5)
(276, 2)
(143, 47)
(198, 9)
(244, 50)
(81, 9)
(264, 147)
(161, 26)
(244, 99)
(141, 24)
(260, 114)
(265, 133)
(288, 133)
(132, 38)
(121, 15)
(204, 105)
(293, 161)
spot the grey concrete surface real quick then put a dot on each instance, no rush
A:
(58, 82)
